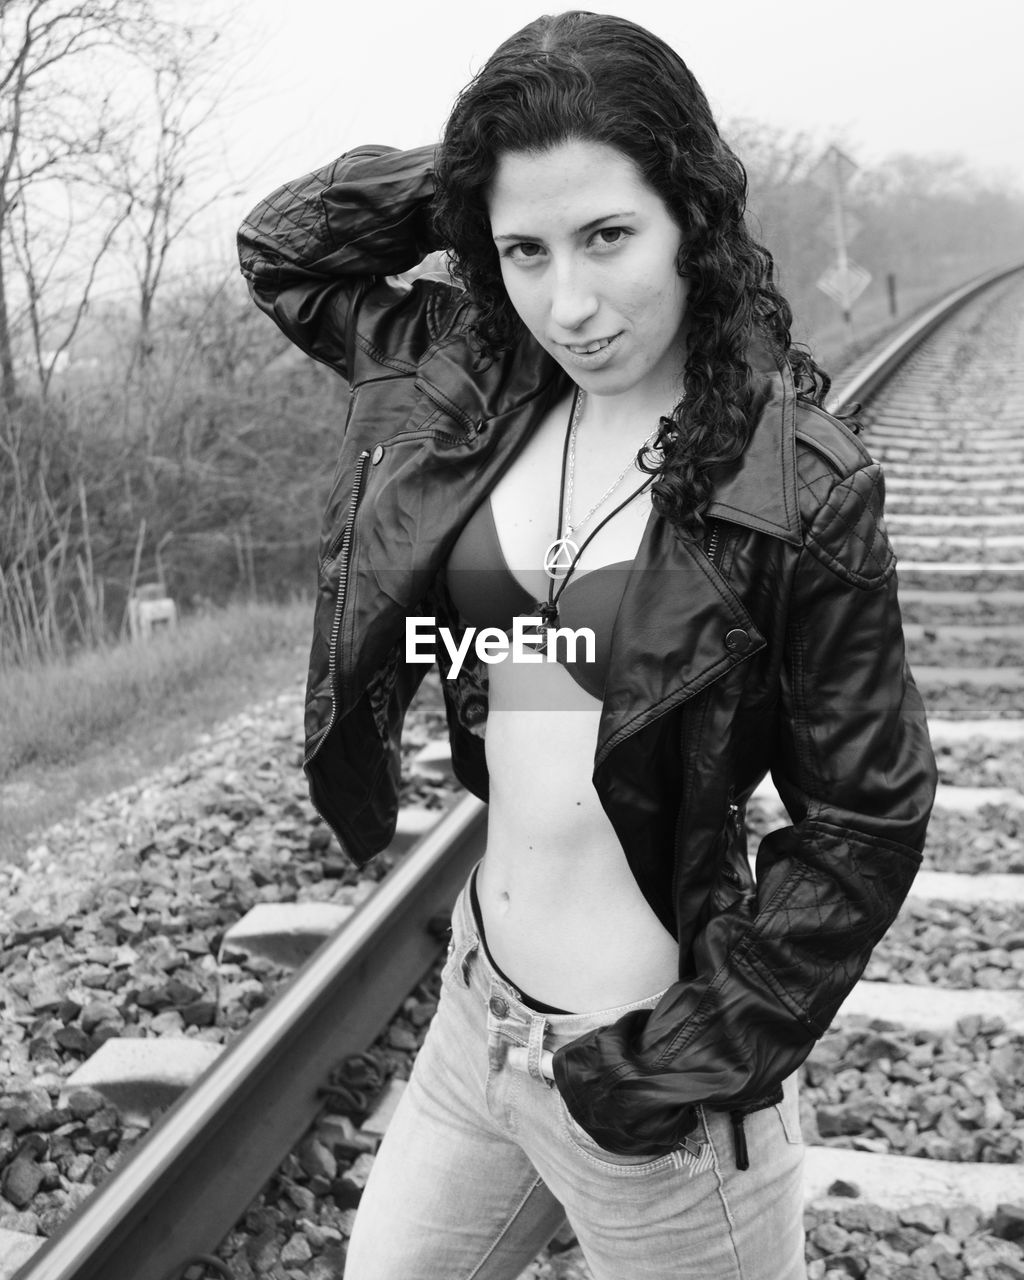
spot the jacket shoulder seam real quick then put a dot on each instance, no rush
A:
(854, 507)
(830, 439)
(440, 332)
(445, 308)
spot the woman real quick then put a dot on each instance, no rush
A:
(608, 428)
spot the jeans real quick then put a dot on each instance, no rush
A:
(482, 1163)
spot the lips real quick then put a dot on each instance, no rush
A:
(587, 348)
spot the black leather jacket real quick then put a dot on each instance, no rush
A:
(774, 646)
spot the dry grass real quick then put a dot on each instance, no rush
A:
(48, 712)
(72, 731)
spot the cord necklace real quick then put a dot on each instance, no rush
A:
(563, 554)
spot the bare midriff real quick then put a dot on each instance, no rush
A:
(564, 918)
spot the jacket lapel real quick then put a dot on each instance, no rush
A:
(680, 628)
(760, 490)
(677, 610)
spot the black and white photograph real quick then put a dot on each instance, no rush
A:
(511, 641)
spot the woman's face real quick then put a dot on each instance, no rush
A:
(588, 255)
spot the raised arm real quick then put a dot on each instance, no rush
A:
(318, 249)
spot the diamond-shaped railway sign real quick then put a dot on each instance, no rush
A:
(844, 283)
(834, 167)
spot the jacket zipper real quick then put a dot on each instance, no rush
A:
(449, 437)
(734, 824)
(344, 552)
(712, 546)
(735, 818)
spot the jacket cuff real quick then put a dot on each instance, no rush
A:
(378, 204)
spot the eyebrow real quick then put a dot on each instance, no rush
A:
(587, 226)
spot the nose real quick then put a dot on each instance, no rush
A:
(573, 300)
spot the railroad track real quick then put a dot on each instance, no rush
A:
(944, 413)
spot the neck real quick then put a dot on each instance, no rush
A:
(631, 413)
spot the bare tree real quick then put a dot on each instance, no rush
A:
(772, 157)
(58, 266)
(158, 167)
(50, 133)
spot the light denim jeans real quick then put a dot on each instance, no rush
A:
(482, 1163)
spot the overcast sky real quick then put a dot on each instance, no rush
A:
(932, 76)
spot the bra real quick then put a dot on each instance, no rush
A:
(487, 594)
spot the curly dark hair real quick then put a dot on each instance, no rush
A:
(598, 78)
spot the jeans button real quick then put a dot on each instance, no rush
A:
(498, 1006)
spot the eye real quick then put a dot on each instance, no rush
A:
(522, 252)
(610, 237)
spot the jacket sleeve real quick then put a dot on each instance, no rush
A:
(318, 249)
(854, 766)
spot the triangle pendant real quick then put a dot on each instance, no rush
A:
(560, 557)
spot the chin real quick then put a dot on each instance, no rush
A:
(605, 382)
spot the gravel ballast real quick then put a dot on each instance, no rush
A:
(947, 944)
(945, 1097)
(978, 763)
(113, 926)
(988, 840)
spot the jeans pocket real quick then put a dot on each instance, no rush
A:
(611, 1161)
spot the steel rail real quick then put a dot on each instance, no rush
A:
(188, 1183)
(863, 385)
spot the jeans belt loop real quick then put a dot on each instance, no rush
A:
(535, 1047)
(466, 950)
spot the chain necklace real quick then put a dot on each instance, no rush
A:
(561, 555)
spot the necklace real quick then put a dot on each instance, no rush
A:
(561, 555)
